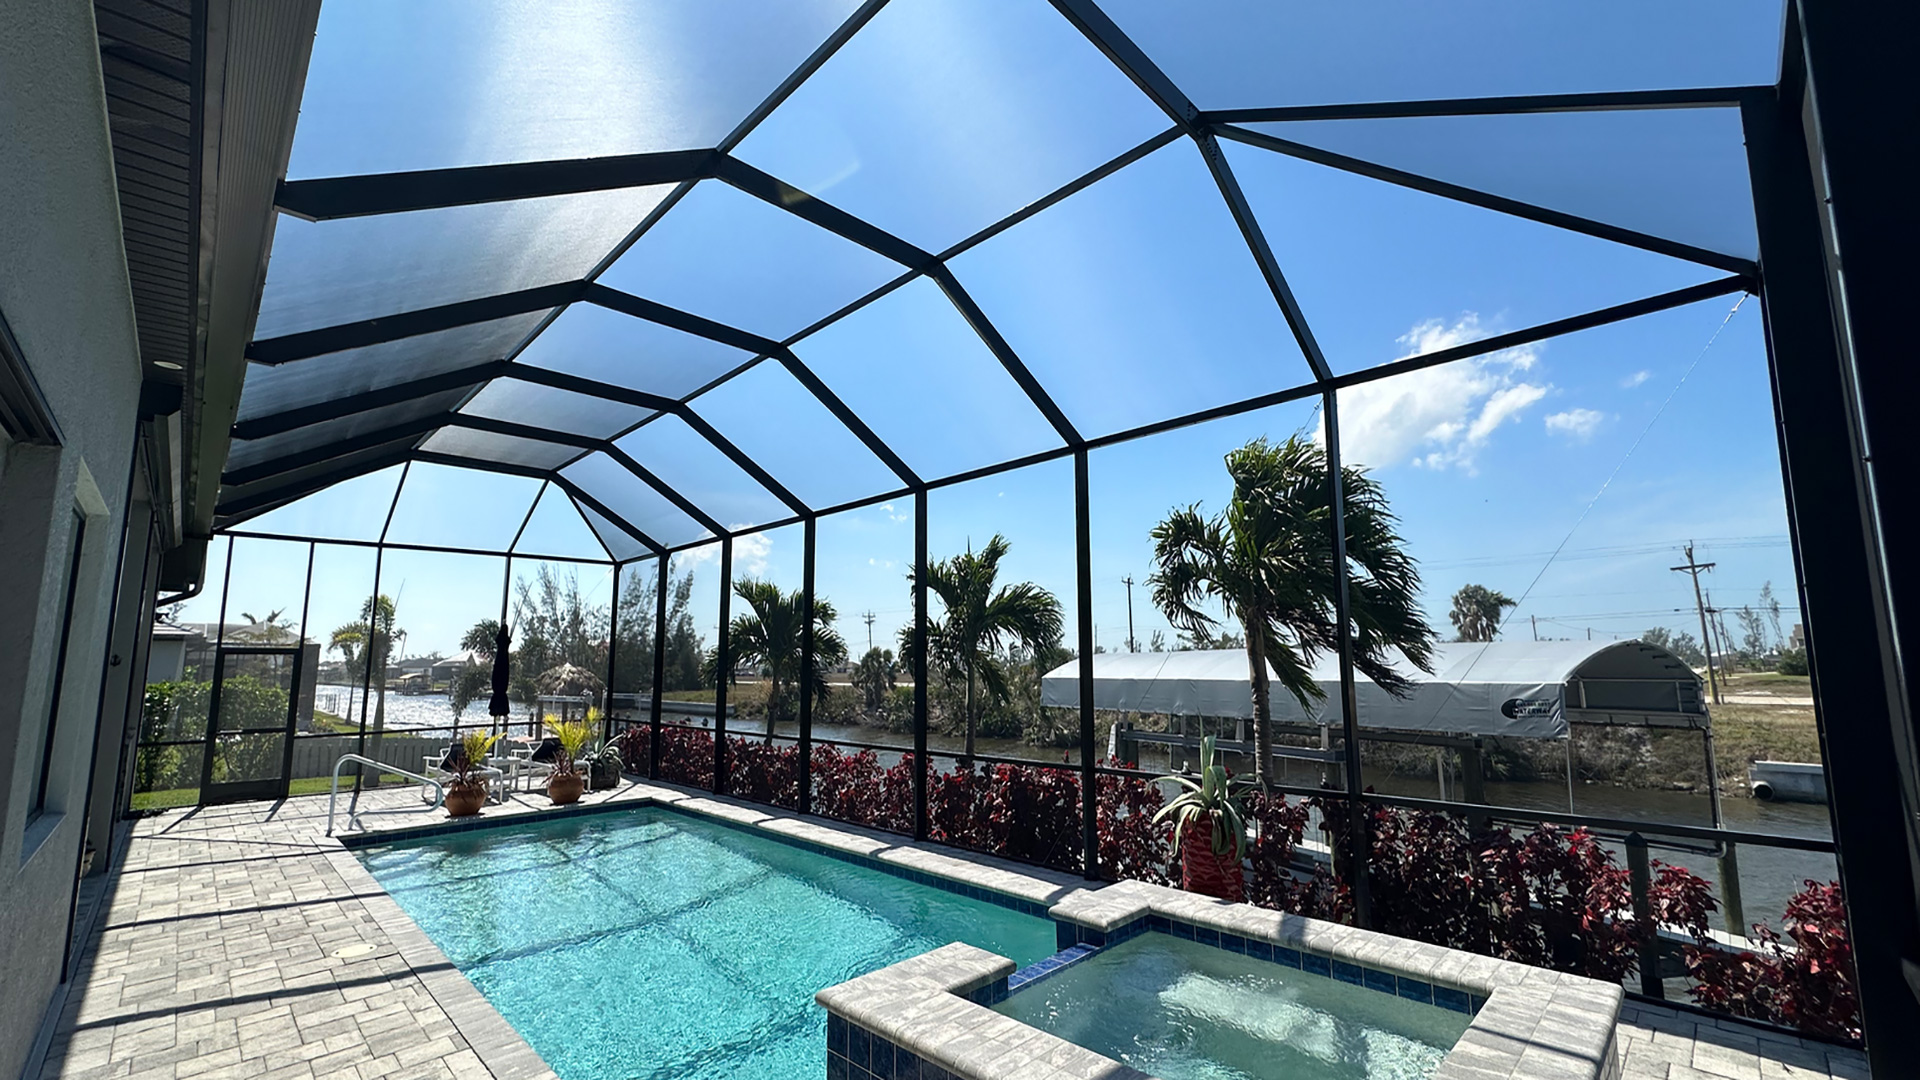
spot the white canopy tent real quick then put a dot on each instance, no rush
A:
(1528, 689)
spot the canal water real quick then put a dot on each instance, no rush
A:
(1768, 876)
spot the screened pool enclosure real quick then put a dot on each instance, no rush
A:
(623, 311)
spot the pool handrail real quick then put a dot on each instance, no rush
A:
(439, 791)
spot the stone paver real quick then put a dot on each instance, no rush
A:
(231, 944)
(1658, 1043)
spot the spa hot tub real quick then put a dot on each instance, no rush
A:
(1183, 1010)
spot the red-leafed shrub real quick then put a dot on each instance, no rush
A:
(1132, 845)
(635, 745)
(686, 756)
(1806, 985)
(1550, 897)
(853, 787)
(764, 773)
(1279, 827)
(1026, 812)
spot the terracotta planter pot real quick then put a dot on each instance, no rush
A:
(465, 800)
(564, 788)
(1202, 871)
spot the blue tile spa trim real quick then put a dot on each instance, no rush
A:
(854, 1053)
(921, 877)
(1033, 973)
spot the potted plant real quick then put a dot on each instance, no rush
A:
(1209, 831)
(566, 783)
(466, 793)
(604, 767)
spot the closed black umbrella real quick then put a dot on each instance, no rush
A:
(497, 706)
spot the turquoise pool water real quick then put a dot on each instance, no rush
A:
(652, 943)
(1182, 1010)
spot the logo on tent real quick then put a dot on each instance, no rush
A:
(1515, 708)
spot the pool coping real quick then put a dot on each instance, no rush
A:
(503, 1050)
(929, 1016)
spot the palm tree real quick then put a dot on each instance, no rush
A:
(768, 634)
(365, 645)
(979, 621)
(1476, 612)
(271, 630)
(875, 675)
(1267, 559)
(479, 640)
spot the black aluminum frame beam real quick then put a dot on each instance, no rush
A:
(1099, 29)
(640, 308)
(1828, 350)
(475, 375)
(591, 444)
(847, 417)
(819, 212)
(276, 423)
(255, 503)
(1003, 352)
(378, 331)
(573, 490)
(300, 459)
(332, 198)
(1256, 241)
(1484, 346)
(1513, 207)
(1511, 104)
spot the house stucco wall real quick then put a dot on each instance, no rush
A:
(64, 292)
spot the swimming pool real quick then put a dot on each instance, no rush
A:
(655, 943)
(1183, 1010)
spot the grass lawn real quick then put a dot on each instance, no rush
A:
(313, 785)
(1744, 733)
(1766, 682)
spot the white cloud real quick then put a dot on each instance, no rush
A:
(1575, 423)
(749, 554)
(1444, 416)
(895, 516)
(1635, 379)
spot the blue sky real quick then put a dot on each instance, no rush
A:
(1131, 301)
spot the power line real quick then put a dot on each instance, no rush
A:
(1624, 458)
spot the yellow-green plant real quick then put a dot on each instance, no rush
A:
(474, 748)
(1216, 799)
(574, 735)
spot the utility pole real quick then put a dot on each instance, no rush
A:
(1693, 569)
(1132, 644)
(1536, 626)
(869, 618)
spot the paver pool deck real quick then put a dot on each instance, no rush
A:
(242, 941)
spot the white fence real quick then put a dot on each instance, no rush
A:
(315, 757)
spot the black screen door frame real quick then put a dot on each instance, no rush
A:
(274, 787)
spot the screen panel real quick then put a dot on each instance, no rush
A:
(531, 82)
(943, 116)
(1137, 299)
